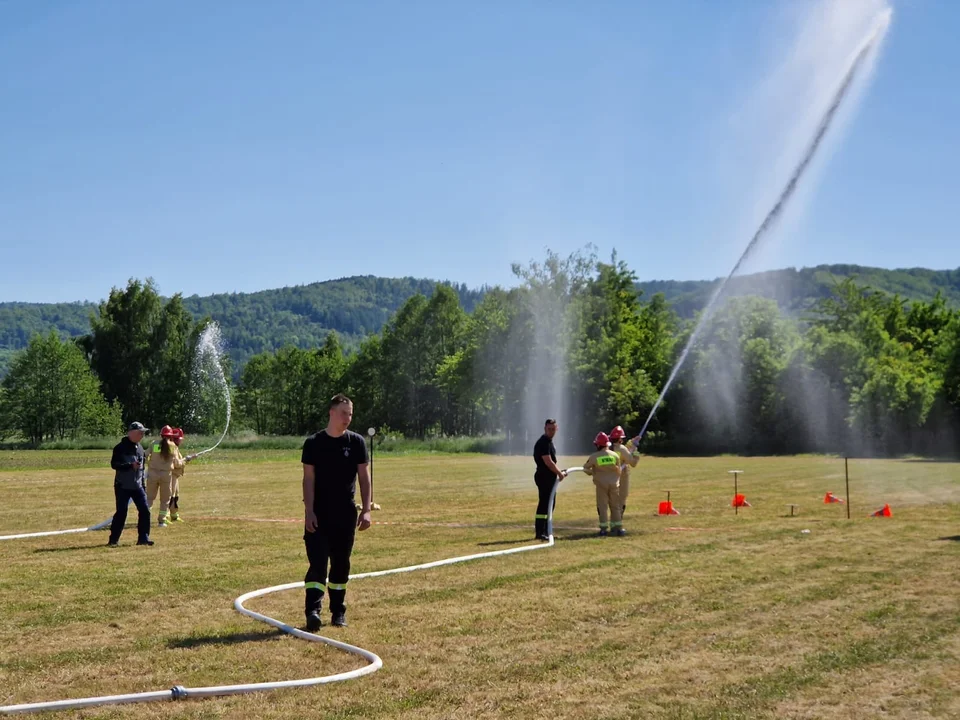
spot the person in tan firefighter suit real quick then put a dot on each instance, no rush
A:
(629, 456)
(175, 480)
(164, 467)
(604, 467)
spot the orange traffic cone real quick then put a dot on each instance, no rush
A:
(831, 498)
(740, 501)
(885, 511)
(666, 508)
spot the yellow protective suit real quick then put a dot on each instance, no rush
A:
(628, 459)
(162, 475)
(175, 487)
(604, 467)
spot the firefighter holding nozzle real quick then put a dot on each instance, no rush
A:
(165, 466)
(629, 456)
(604, 467)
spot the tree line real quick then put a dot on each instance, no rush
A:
(861, 371)
(135, 363)
(302, 316)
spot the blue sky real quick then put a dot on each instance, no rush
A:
(241, 145)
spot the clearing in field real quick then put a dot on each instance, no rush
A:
(706, 614)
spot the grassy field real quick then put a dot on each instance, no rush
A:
(703, 615)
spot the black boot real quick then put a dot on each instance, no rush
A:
(540, 528)
(312, 601)
(314, 622)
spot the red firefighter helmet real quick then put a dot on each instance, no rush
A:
(617, 434)
(179, 433)
(168, 432)
(601, 440)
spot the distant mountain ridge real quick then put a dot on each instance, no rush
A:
(355, 306)
(797, 290)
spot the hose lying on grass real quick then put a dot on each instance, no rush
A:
(21, 536)
(374, 662)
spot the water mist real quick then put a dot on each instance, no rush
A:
(207, 372)
(827, 25)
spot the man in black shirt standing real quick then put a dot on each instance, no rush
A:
(128, 484)
(547, 473)
(333, 459)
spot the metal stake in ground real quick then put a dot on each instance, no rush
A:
(736, 475)
(371, 432)
(846, 472)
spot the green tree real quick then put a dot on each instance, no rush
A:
(287, 392)
(444, 326)
(169, 393)
(405, 371)
(730, 397)
(50, 393)
(416, 344)
(622, 355)
(366, 382)
(490, 369)
(948, 358)
(542, 337)
(142, 350)
(120, 344)
(254, 397)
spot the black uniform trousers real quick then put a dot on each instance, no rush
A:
(544, 488)
(123, 497)
(330, 545)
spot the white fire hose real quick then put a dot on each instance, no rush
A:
(374, 662)
(98, 526)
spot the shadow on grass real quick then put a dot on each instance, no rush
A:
(234, 639)
(579, 536)
(954, 538)
(518, 541)
(557, 538)
(70, 548)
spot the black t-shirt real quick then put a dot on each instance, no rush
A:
(543, 447)
(335, 461)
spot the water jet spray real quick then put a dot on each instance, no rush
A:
(881, 23)
(206, 364)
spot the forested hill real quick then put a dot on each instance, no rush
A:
(302, 315)
(796, 290)
(355, 306)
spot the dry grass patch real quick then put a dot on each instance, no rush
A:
(703, 615)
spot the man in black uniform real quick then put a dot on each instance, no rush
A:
(128, 484)
(547, 473)
(333, 459)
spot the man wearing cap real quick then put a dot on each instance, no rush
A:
(128, 484)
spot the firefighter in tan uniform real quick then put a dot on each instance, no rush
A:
(163, 459)
(164, 467)
(629, 456)
(175, 479)
(604, 467)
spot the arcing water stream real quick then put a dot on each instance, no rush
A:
(207, 369)
(868, 45)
